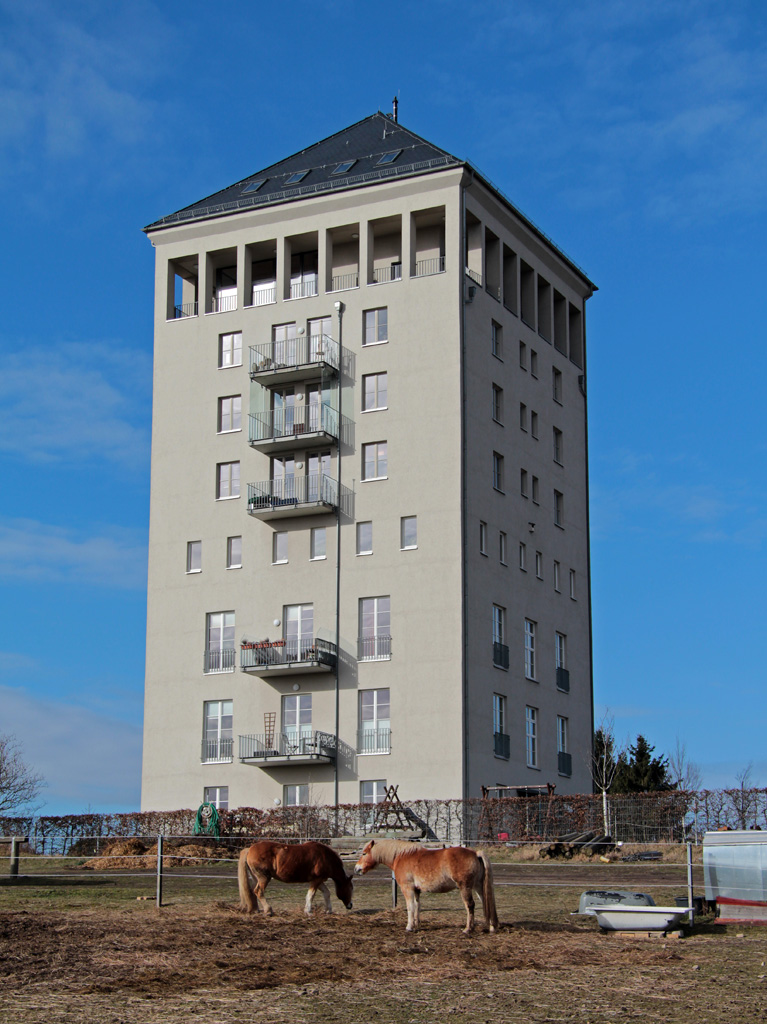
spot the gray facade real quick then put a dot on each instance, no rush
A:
(377, 382)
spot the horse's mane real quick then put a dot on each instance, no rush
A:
(385, 850)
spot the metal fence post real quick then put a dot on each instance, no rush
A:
(689, 884)
(159, 871)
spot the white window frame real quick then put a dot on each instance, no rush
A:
(296, 706)
(523, 556)
(502, 548)
(497, 404)
(499, 713)
(482, 537)
(562, 734)
(295, 795)
(496, 340)
(216, 795)
(376, 326)
(361, 542)
(379, 726)
(227, 480)
(572, 584)
(214, 739)
(529, 649)
(229, 350)
(315, 534)
(531, 736)
(193, 547)
(379, 460)
(376, 644)
(556, 385)
(557, 568)
(232, 562)
(499, 624)
(378, 793)
(403, 526)
(233, 412)
(539, 564)
(279, 540)
(375, 378)
(558, 437)
(498, 481)
(559, 509)
(535, 491)
(225, 624)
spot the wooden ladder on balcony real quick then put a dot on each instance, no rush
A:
(270, 718)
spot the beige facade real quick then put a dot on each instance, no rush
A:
(355, 382)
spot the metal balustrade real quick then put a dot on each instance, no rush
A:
(220, 660)
(224, 303)
(297, 420)
(424, 268)
(294, 352)
(500, 655)
(502, 745)
(565, 763)
(342, 282)
(264, 294)
(374, 741)
(295, 495)
(303, 289)
(374, 648)
(184, 310)
(292, 744)
(294, 651)
(563, 679)
(474, 275)
(384, 274)
(217, 749)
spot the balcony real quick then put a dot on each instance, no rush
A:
(343, 282)
(298, 496)
(264, 294)
(382, 275)
(216, 751)
(474, 275)
(303, 289)
(565, 763)
(184, 310)
(279, 362)
(502, 745)
(425, 268)
(563, 679)
(224, 301)
(500, 655)
(306, 426)
(286, 748)
(374, 648)
(284, 657)
(374, 741)
(220, 660)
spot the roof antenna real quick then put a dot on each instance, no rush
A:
(394, 105)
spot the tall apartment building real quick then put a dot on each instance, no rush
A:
(369, 551)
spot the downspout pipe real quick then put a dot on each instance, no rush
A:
(340, 310)
(464, 538)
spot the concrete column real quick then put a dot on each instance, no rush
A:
(207, 282)
(367, 246)
(282, 277)
(406, 243)
(324, 260)
(244, 277)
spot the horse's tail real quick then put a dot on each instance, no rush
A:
(247, 901)
(488, 892)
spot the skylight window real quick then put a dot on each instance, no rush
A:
(344, 167)
(389, 158)
(294, 178)
(253, 186)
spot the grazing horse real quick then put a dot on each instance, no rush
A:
(420, 870)
(302, 862)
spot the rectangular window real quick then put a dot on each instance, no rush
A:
(217, 730)
(556, 575)
(523, 482)
(529, 649)
(373, 791)
(522, 416)
(502, 547)
(560, 650)
(497, 406)
(194, 556)
(536, 491)
(408, 532)
(375, 462)
(375, 629)
(228, 480)
(499, 624)
(295, 796)
(499, 713)
(234, 552)
(539, 565)
(496, 339)
(297, 719)
(375, 722)
(534, 363)
(482, 538)
(531, 736)
(374, 392)
(572, 584)
(298, 629)
(376, 326)
(219, 642)
(557, 445)
(498, 472)
(523, 355)
(556, 384)
(229, 414)
(229, 350)
(559, 509)
(562, 730)
(318, 543)
(279, 547)
(523, 557)
(218, 796)
(365, 538)
(534, 424)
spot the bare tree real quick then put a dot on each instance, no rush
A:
(743, 798)
(685, 774)
(20, 785)
(605, 758)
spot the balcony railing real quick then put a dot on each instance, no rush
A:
(295, 653)
(342, 282)
(424, 268)
(297, 745)
(220, 660)
(298, 496)
(303, 289)
(264, 294)
(475, 276)
(217, 750)
(384, 274)
(184, 310)
(306, 350)
(374, 648)
(265, 427)
(502, 745)
(563, 679)
(500, 655)
(565, 763)
(224, 303)
(494, 290)
(374, 741)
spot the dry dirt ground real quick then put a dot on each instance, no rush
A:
(70, 953)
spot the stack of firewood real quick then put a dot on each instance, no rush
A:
(590, 843)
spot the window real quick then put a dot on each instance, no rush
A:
(234, 552)
(496, 339)
(556, 384)
(298, 630)
(375, 629)
(482, 538)
(253, 186)
(560, 650)
(297, 718)
(375, 462)
(374, 392)
(534, 363)
(228, 480)
(229, 350)
(523, 482)
(534, 424)
(556, 575)
(375, 722)
(219, 642)
(344, 167)
(564, 758)
(408, 532)
(376, 324)
(536, 491)
(539, 565)
(218, 796)
(498, 472)
(217, 730)
(501, 746)
(295, 177)
(499, 624)
(523, 355)
(559, 509)
(365, 538)
(373, 791)
(522, 416)
(531, 736)
(389, 158)
(194, 556)
(279, 547)
(295, 796)
(502, 547)
(497, 406)
(523, 557)
(229, 414)
(572, 584)
(318, 543)
(529, 649)
(557, 445)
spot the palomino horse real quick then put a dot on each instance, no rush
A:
(420, 870)
(302, 862)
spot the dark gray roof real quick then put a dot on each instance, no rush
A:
(364, 142)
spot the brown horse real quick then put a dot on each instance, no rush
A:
(302, 862)
(420, 870)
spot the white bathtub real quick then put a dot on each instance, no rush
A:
(639, 919)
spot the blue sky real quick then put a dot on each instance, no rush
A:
(634, 134)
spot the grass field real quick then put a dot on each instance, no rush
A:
(79, 946)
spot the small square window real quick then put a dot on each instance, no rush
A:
(218, 796)
(388, 158)
(234, 552)
(279, 547)
(294, 178)
(229, 350)
(374, 392)
(318, 543)
(295, 796)
(229, 414)
(408, 532)
(365, 538)
(375, 461)
(194, 556)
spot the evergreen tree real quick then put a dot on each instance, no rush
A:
(640, 772)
